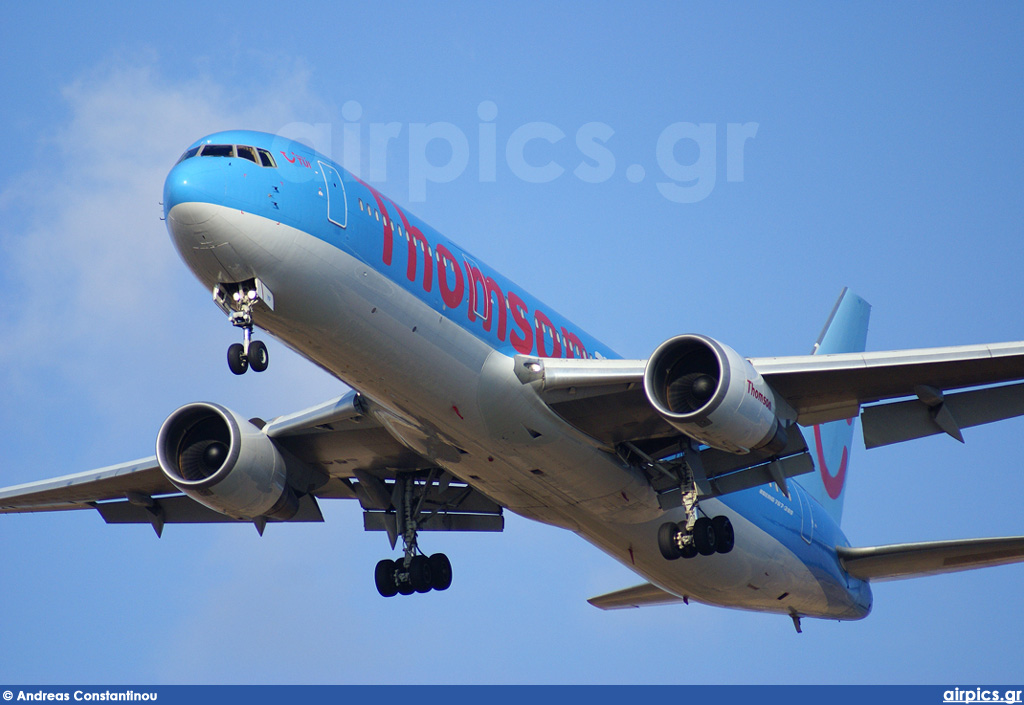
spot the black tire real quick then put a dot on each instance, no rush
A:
(402, 578)
(259, 358)
(688, 550)
(236, 359)
(420, 575)
(384, 577)
(725, 537)
(667, 543)
(440, 572)
(704, 536)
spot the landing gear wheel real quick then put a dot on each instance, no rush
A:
(668, 544)
(440, 572)
(725, 537)
(688, 550)
(237, 360)
(420, 575)
(704, 536)
(258, 356)
(404, 586)
(384, 577)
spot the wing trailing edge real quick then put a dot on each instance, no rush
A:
(912, 560)
(934, 412)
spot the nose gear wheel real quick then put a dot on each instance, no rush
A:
(238, 301)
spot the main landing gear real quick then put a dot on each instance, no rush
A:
(415, 572)
(418, 573)
(707, 537)
(239, 303)
(677, 474)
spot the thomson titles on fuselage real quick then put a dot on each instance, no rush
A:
(530, 334)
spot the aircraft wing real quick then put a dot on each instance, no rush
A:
(350, 452)
(606, 399)
(80, 491)
(825, 388)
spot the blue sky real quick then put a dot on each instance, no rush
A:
(886, 154)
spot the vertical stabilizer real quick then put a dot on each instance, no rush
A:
(845, 331)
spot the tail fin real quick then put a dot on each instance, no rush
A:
(845, 331)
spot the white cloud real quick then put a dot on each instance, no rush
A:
(102, 328)
(88, 266)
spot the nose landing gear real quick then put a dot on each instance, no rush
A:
(238, 300)
(249, 353)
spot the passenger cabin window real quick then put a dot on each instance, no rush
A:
(247, 153)
(219, 150)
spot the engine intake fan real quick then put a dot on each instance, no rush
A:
(712, 394)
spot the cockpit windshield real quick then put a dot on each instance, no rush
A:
(188, 154)
(218, 150)
(247, 153)
(255, 155)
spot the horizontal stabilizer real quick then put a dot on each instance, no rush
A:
(911, 560)
(917, 418)
(638, 596)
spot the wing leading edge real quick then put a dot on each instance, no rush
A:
(83, 490)
(340, 440)
(605, 398)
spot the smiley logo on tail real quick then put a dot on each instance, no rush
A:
(833, 483)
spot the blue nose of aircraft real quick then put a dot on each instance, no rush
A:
(195, 201)
(192, 180)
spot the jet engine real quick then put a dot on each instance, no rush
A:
(225, 463)
(712, 394)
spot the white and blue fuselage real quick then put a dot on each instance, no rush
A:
(390, 306)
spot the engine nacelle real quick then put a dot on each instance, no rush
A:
(712, 394)
(223, 461)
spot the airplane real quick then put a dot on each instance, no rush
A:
(715, 477)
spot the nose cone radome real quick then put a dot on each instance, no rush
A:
(192, 181)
